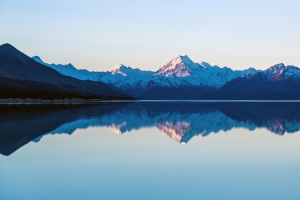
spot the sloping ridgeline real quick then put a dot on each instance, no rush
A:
(23, 77)
(278, 82)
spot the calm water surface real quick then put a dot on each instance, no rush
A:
(166, 150)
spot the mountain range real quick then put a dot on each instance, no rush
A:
(23, 77)
(278, 82)
(179, 79)
(182, 78)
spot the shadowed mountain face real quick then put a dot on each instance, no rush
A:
(180, 121)
(23, 77)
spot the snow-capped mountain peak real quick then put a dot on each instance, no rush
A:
(276, 68)
(276, 72)
(280, 71)
(119, 69)
(181, 66)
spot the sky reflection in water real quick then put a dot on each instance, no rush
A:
(223, 157)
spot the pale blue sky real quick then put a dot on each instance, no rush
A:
(98, 35)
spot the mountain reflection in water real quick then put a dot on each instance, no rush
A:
(20, 124)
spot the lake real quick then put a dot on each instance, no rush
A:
(150, 150)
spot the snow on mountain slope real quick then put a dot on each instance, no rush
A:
(182, 70)
(125, 77)
(119, 76)
(280, 71)
(180, 66)
(181, 78)
(278, 82)
(179, 72)
(277, 72)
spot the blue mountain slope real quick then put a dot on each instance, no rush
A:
(23, 77)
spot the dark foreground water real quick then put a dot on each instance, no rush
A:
(167, 150)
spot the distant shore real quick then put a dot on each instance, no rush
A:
(49, 101)
(95, 101)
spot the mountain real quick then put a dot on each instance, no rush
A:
(278, 82)
(199, 73)
(23, 77)
(69, 70)
(181, 78)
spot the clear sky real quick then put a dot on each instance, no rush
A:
(99, 34)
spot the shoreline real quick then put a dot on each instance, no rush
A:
(11, 101)
(48, 101)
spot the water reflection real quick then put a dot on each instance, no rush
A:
(179, 120)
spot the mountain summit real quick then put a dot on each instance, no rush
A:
(119, 69)
(180, 66)
(280, 71)
(8, 50)
(278, 82)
